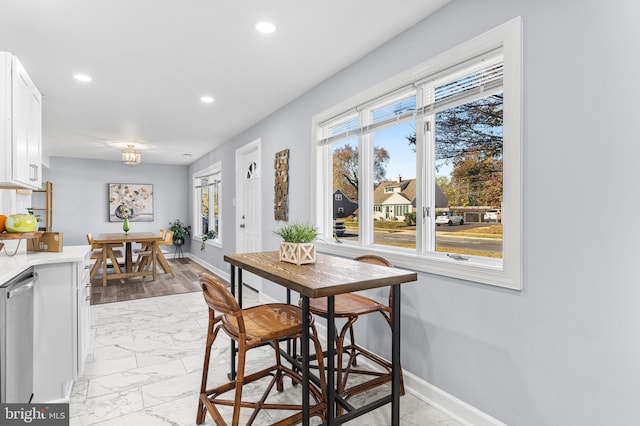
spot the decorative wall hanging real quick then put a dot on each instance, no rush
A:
(137, 197)
(281, 186)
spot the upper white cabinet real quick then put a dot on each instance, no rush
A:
(20, 126)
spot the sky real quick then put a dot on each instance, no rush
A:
(402, 156)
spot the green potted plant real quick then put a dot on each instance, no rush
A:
(180, 231)
(297, 246)
(208, 236)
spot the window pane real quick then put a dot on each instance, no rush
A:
(215, 222)
(344, 127)
(394, 110)
(468, 170)
(345, 189)
(204, 210)
(394, 185)
(470, 84)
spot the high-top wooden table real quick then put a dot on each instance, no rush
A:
(328, 277)
(107, 241)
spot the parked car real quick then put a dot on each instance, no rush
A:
(449, 218)
(339, 228)
(492, 216)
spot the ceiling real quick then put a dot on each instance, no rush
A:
(152, 60)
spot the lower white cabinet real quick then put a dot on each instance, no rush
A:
(61, 329)
(83, 301)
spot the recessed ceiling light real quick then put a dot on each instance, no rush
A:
(83, 77)
(207, 99)
(264, 27)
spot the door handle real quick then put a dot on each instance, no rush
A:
(21, 289)
(33, 172)
(242, 225)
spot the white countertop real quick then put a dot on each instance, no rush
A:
(10, 266)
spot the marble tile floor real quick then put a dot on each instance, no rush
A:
(145, 362)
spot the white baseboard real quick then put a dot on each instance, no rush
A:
(217, 271)
(447, 403)
(425, 391)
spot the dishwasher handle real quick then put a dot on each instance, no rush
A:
(22, 286)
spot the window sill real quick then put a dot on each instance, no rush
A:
(477, 270)
(214, 243)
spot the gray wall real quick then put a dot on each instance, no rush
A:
(80, 195)
(564, 350)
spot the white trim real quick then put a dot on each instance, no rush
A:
(212, 243)
(448, 404)
(253, 146)
(507, 272)
(219, 272)
(210, 170)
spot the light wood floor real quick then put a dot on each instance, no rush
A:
(186, 281)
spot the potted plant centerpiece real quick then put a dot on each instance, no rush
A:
(180, 231)
(297, 247)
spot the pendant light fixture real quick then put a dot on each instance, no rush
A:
(130, 155)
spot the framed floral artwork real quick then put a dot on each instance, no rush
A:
(137, 197)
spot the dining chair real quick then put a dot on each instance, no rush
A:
(143, 262)
(351, 306)
(250, 328)
(96, 254)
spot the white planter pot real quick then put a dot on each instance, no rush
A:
(298, 253)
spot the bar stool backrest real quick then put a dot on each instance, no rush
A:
(374, 260)
(377, 260)
(219, 299)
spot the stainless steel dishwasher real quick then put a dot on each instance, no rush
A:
(16, 338)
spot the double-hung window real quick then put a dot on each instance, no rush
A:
(428, 156)
(207, 186)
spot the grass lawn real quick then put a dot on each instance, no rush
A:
(489, 232)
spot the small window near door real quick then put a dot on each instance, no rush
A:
(252, 171)
(207, 191)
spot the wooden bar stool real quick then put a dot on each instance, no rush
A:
(252, 327)
(352, 306)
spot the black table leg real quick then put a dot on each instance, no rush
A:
(239, 298)
(305, 360)
(232, 284)
(331, 337)
(288, 303)
(395, 356)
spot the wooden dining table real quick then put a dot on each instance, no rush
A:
(110, 240)
(328, 277)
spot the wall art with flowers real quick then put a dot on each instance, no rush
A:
(132, 200)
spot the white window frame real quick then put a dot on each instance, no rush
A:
(505, 272)
(214, 169)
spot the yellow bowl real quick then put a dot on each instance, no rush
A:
(21, 223)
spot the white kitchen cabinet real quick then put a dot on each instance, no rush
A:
(61, 328)
(20, 126)
(83, 301)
